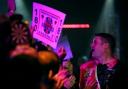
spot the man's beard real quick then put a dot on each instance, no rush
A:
(96, 54)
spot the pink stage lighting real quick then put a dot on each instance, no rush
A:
(76, 26)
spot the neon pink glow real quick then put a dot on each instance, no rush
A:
(76, 26)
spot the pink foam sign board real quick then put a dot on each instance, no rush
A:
(47, 23)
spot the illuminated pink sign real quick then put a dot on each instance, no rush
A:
(47, 23)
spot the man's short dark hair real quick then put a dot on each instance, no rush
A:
(109, 39)
(17, 17)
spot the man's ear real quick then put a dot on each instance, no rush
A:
(106, 45)
(50, 74)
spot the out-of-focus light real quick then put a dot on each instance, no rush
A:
(76, 26)
(26, 22)
(85, 58)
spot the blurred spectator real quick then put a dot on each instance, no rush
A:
(11, 7)
(65, 78)
(5, 30)
(51, 63)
